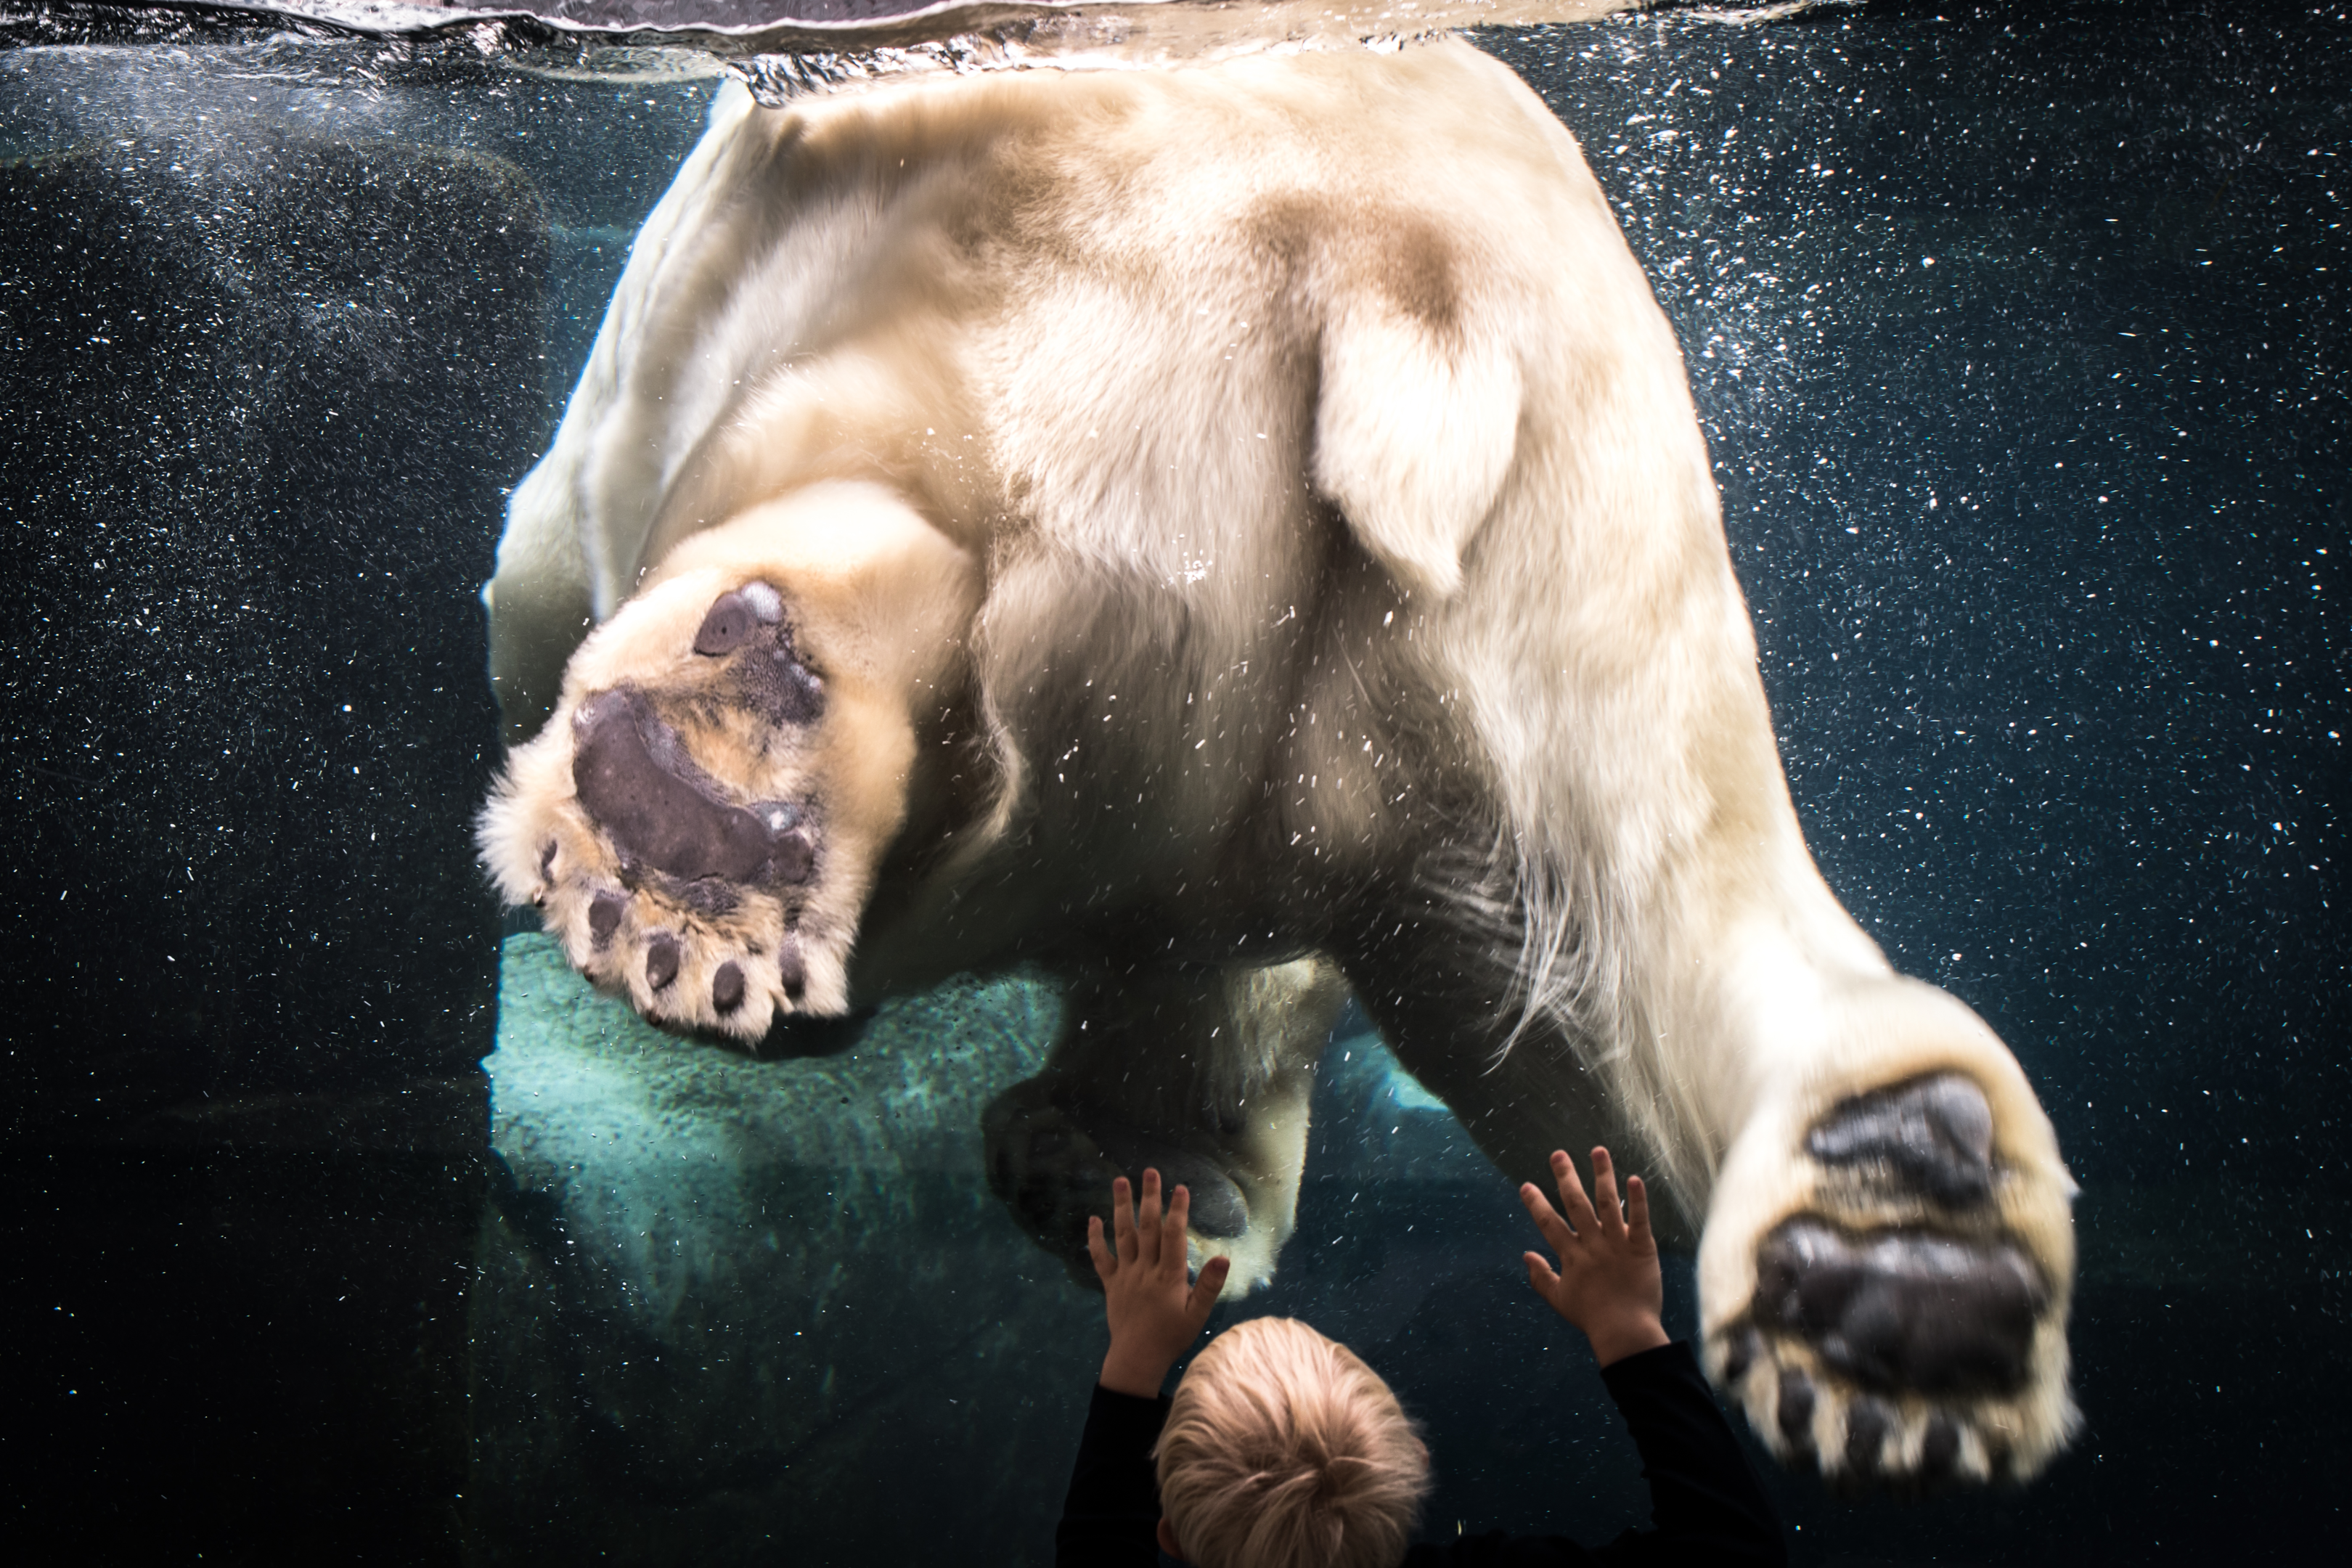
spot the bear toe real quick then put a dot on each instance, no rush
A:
(661, 961)
(605, 911)
(726, 988)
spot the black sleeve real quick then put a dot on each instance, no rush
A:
(1112, 1514)
(1706, 1502)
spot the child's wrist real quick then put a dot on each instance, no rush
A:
(1613, 1340)
(1128, 1371)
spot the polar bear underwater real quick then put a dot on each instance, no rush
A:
(1229, 538)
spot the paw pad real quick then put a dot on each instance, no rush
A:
(735, 618)
(1903, 1308)
(658, 810)
(605, 916)
(1934, 1135)
(1052, 1171)
(772, 679)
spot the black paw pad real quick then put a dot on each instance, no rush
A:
(661, 961)
(1795, 1416)
(737, 618)
(1741, 1354)
(633, 776)
(1903, 1308)
(1218, 1206)
(605, 916)
(773, 682)
(1939, 1449)
(1935, 1134)
(1866, 1426)
(726, 988)
(792, 972)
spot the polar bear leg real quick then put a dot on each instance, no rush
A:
(1444, 990)
(1204, 1073)
(1889, 1255)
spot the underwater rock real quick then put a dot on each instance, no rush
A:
(724, 1302)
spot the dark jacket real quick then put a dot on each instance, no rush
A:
(1706, 1506)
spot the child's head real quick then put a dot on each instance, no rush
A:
(1284, 1450)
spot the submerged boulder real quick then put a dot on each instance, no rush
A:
(724, 1303)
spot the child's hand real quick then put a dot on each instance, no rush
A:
(1608, 1284)
(1152, 1316)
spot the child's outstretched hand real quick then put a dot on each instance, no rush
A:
(1608, 1283)
(1153, 1317)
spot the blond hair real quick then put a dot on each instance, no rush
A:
(1284, 1450)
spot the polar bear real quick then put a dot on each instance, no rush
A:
(1228, 538)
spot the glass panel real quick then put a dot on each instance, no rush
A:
(2017, 341)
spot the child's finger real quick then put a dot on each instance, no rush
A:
(1637, 1208)
(1572, 1194)
(1604, 1195)
(1542, 1275)
(1554, 1229)
(1122, 1212)
(1147, 1219)
(1171, 1229)
(1106, 1261)
(1205, 1289)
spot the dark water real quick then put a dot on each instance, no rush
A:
(2023, 338)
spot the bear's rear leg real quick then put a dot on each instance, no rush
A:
(1203, 1073)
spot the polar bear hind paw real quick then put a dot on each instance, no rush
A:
(1052, 1165)
(1900, 1334)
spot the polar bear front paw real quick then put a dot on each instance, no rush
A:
(1903, 1320)
(670, 825)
